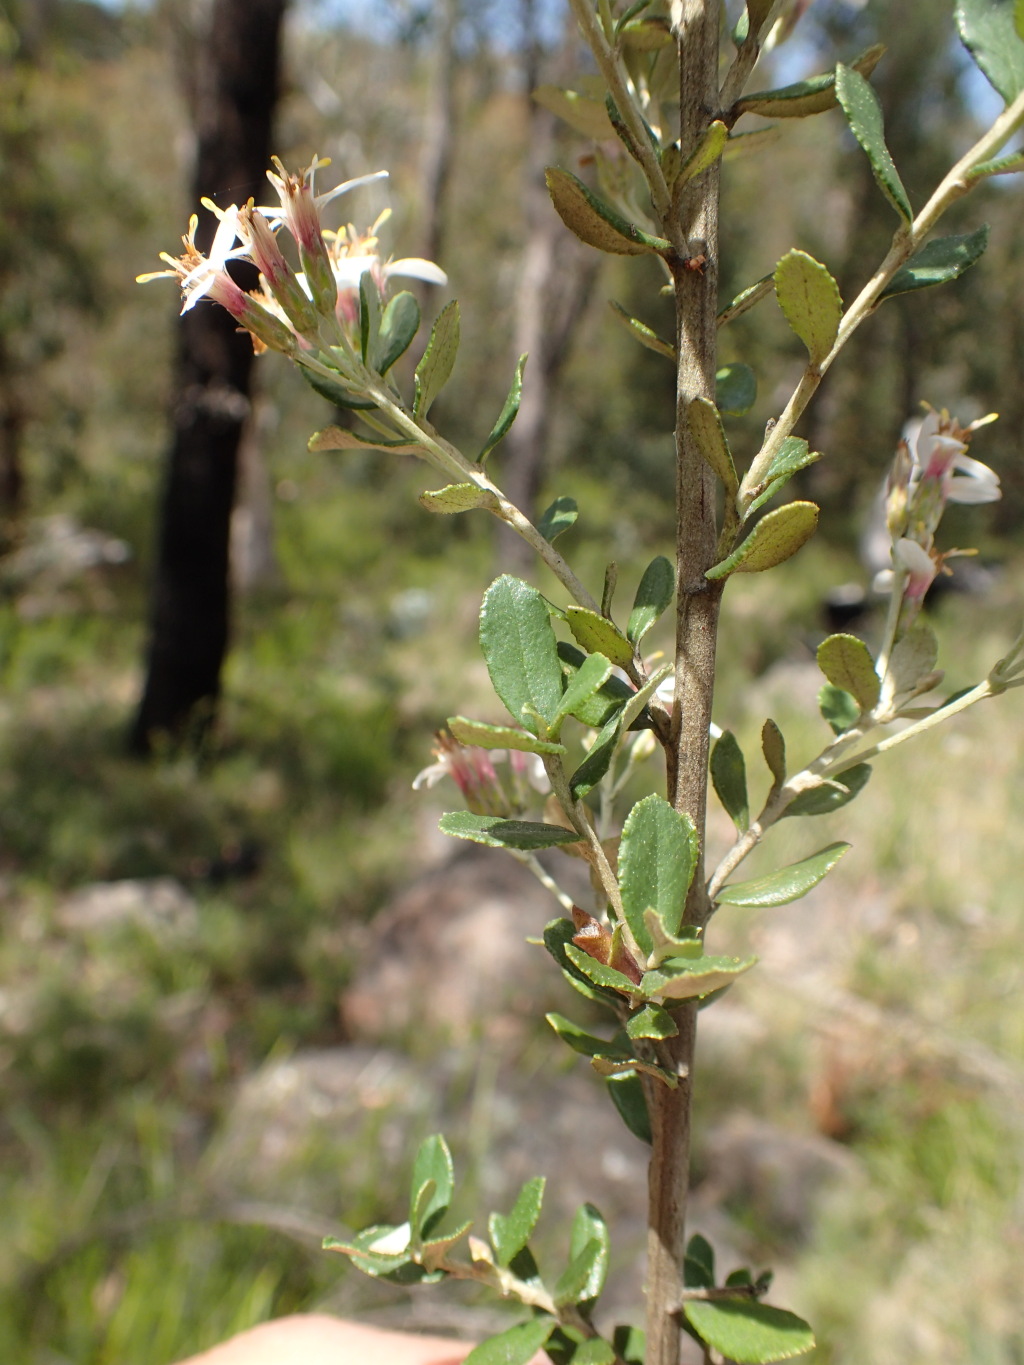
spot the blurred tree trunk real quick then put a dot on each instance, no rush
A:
(234, 87)
(556, 279)
(439, 131)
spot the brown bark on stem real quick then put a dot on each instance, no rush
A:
(695, 232)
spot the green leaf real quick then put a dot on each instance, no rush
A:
(508, 413)
(583, 1279)
(335, 393)
(627, 1093)
(594, 767)
(735, 389)
(639, 331)
(706, 428)
(832, 794)
(651, 1022)
(729, 777)
(809, 299)
(776, 537)
(433, 1182)
(589, 678)
(371, 1252)
(998, 165)
(483, 736)
(746, 298)
(990, 31)
(773, 746)
(597, 634)
(510, 1232)
(911, 666)
(594, 1351)
(812, 96)
(847, 663)
(609, 699)
(699, 1263)
(587, 1044)
(497, 832)
(338, 438)
(1018, 18)
(434, 1250)
(748, 1332)
(435, 368)
(458, 497)
(707, 151)
(945, 258)
(587, 116)
(598, 972)
(516, 1346)
(657, 858)
(398, 327)
(864, 115)
(686, 978)
(838, 707)
(787, 884)
(630, 1344)
(557, 518)
(519, 648)
(369, 315)
(595, 222)
(653, 597)
(792, 456)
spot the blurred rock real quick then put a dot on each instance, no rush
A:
(780, 1176)
(158, 904)
(449, 955)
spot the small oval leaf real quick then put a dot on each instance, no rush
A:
(597, 634)
(557, 518)
(863, 111)
(830, 795)
(520, 651)
(508, 414)
(735, 389)
(657, 858)
(435, 369)
(945, 258)
(787, 884)
(809, 299)
(729, 777)
(482, 736)
(847, 663)
(497, 832)
(516, 1346)
(776, 537)
(398, 327)
(989, 29)
(773, 746)
(457, 497)
(510, 1232)
(748, 1332)
(812, 96)
(595, 222)
(706, 427)
(654, 596)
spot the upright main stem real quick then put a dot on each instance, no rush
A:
(694, 233)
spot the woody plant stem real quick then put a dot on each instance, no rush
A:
(696, 631)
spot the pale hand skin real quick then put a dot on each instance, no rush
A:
(316, 1339)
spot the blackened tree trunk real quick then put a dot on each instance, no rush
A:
(234, 85)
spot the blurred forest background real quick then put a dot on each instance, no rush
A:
(206, 1061)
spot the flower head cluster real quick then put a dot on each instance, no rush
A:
(288, 310)
(475, 773)
(932, 468)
